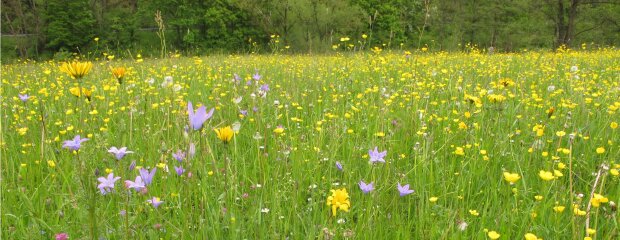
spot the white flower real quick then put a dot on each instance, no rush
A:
(462, 226)
(574, 69)
(264, 210)
(550, 88)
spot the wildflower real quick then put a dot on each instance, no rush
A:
(530, 236)
(119, 153)
(196, 119)
(600, 150)
(511, 177)
(433, 199)
(264, 87)
(339, 165)
(75, 91)
(107, 184)
(459, 151)
(76, 69)
(404, 190)
(147, 176)
(119, 73)
(598, 199)
(132, 165)
(61, 236)
(558, 209)
(137, 185)
(560, 133)
(74, 144)
(613, 125)
(376, 156)
(155, 202)
(366, 188)
(493, 235)
(179, 170)
(339, 200)
(545, 175)
(225, 134)
(23, 97)
(474, 212)
(179, 155)
(278, 130)
(256, 76)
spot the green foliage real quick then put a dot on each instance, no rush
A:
(69, 24)
(40, 28)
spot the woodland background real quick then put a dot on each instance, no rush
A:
(44, 29)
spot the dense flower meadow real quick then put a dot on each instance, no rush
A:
(378, 145)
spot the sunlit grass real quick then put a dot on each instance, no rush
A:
(492, 145)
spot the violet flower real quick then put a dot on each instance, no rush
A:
(376, 156)
(179, 170)
(404, 190)
(155, 202)
(137, 185)
(119, 153)
(107, 184)
(23, 97)
(179, 155)
(366, 188)
(147, 176)
(339, 165)
(75, 143)
(198, 118)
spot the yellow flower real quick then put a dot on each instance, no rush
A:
(511, 177)
(459, 151)
(598, 199)
(433, 199)
(559, 209)
(560, 133)
(474, 212)
(613, 125)
(278, 130)
(51, 163)
(498, 98)
(547, 176)
(22, 131)
(600, 150)
(119, 73)
(530, 236)
(614, 172)
(339, 200)
(493, 235)
(225, 134)
(76, 69)
(75, 91)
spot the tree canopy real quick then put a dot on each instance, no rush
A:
(41, 28)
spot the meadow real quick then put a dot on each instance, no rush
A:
(376, 145)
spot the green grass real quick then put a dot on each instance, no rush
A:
(276, 186)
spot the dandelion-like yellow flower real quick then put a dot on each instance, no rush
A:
(511, 177)
(119, 73)
(600, 150)
(339, 200)
(76, 69)
(558, 209)
(225, 134)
